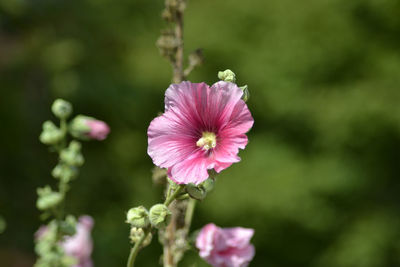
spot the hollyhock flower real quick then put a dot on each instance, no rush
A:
(225, 247)
(84, 127)
(80, 245)
(202, 128)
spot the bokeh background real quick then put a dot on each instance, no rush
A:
(319, 179)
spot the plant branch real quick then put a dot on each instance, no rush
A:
(136, 248)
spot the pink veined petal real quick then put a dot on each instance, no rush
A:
(170, 140)
(192, 170)
(240, 120)
(220, 166)
(228, 148)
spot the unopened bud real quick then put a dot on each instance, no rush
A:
(61, 108)
(196, 192)
(246, 93)
(50, 135)
(47, 198)
(138, 217)
(64, 172)
(160, 216)
(137, 233)
(72, 155)
(227, 76)
(208, 185)
(85, 128)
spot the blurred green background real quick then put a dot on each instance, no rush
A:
(319, 179)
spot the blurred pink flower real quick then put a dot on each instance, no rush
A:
(98, 129)
(80, 245)
(225, 247)
(202, 128)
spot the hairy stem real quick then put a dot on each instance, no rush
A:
(189, 214)
(178, 64)
(135, 249)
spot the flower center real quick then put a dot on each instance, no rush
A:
(207, 141)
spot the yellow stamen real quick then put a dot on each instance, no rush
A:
(207, 141)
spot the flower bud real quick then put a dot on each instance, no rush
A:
(50, 135)
(86, 128)
(64, 172)
(137, 233)
(138, 217)
(246, 93)
(61, 108)
(47, 198)
(72, 155)
(208, 185)
(160, 216)
(196, 192)
(227, 76)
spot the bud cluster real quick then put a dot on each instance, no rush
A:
(70, 159)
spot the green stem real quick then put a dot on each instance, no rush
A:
(189, 213)
(136, 248)
(172, 196)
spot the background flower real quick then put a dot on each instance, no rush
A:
(80, 245)
(225, 247)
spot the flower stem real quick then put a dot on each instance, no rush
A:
(172, 196)
(136, 248)
(189, 214)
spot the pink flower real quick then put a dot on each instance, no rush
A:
(202, 128)
(80, 245)
(228, 247)
(98, 129)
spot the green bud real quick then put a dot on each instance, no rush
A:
(227, 76)
(208, 185)
(64, 172)
(50, 135)
(196, 192)
(138, 217)
(47, 198)
(79, 128)
(71, 155)
(160, 216)
(246, 93)
(61, 108)
(137, 233)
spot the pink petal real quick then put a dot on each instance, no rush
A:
(191, 170)
(204, 241)
(170, 140)
(238, 236)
